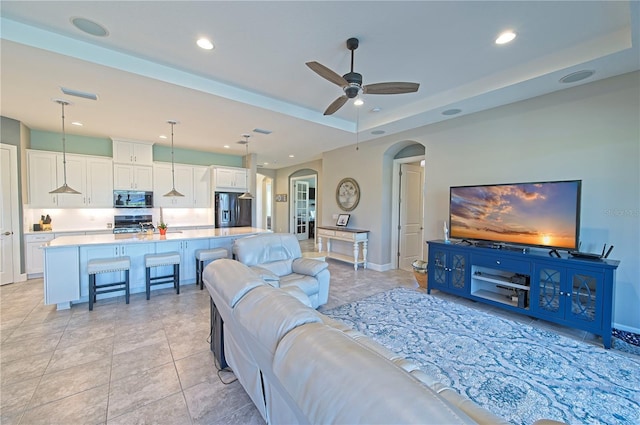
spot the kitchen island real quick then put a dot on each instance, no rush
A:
(66, 280)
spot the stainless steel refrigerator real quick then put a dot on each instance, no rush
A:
(231, 211)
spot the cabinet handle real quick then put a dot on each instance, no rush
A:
(131, 158)
(135, 158)
(497, 261)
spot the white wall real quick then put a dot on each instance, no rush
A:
(589, 132)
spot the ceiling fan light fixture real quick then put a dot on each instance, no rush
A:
(358, 101)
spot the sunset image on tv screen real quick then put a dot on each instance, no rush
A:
(542, 214)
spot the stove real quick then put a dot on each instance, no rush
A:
(132, 223)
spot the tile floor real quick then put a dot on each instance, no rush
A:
(145, 362)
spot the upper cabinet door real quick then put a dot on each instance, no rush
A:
(99, 183)
(127, 152)
(42, 167)
(76, 171)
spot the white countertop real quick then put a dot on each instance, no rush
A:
(127, 238)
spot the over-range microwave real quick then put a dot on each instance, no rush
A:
(132, 199)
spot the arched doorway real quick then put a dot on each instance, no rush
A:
(408, 206)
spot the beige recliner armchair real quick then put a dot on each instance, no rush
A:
(277, 259)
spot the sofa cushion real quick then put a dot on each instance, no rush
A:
(266, 248)
(308, 266)
(268, 314)
(230, 279)
(307, 283)
(333, 379)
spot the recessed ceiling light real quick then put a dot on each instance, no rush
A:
(292, 156)
(505, 37)
(453, 111)
(376, 109)
(204, 43)
(577, 76)
(226, 146)
(78, 123)
(162, 136)
(266, 163)
(89, 27)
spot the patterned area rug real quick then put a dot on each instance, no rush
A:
(517, 371)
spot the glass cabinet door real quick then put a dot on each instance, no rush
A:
(458, 271)
(548, 281)
(440, 268)
(585, 296)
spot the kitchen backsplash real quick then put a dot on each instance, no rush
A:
(70, 219)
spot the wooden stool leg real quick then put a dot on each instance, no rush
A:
(126, 287)
(176, 277)
(148, 282)
(92, 290)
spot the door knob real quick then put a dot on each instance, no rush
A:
(7, 233)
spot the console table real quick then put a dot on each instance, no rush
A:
(358, 237)
(569, 291)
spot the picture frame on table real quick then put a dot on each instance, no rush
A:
(343, 219)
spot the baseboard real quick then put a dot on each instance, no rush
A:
(626, 328)
(379, 267)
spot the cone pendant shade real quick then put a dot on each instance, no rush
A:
(173, 192)
(247, 194)
(65, 188)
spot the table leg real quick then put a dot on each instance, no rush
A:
(355, 255)
(319, 243)
(364, 253)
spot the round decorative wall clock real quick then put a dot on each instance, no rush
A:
(348, 194)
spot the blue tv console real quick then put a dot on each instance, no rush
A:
(573, 292)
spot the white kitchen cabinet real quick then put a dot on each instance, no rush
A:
(34, 258)
(137, 273)
(90, 175)
(190, 180)
(41, 166)
(131, 152)
(163, 181)
(201, 192)
(229, 179)
(187, 250)
(132, 177)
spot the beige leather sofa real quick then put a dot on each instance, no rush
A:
(277, 258)
(299, 366)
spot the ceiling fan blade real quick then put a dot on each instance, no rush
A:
(327, 74)
(336, 104)
(390, 88)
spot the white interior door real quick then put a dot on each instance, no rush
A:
(9, 243)
(300, 205)
(410, 232)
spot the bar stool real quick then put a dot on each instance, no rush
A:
(203, 255)
(162, 259)
(107, 265)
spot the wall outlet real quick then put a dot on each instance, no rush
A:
(109, 225)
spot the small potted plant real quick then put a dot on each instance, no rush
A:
(162, 228)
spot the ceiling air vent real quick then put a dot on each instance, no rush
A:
(78, 93)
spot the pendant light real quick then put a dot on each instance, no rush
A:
(64, 188)
(173, 191)
(247, 194)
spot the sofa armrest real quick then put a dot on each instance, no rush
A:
(267, 275)
(308, 266)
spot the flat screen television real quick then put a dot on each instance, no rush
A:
(541, 214)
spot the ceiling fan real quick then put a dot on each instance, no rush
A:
(351, 82)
